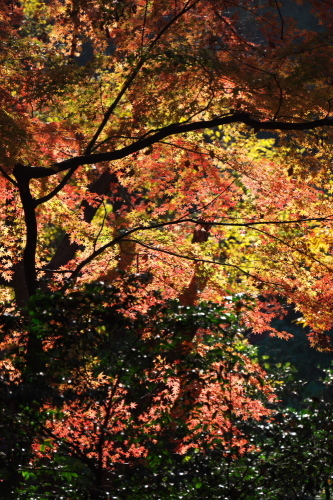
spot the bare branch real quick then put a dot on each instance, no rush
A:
(4, 173)
(292, 247)
(195, 259)
(282, 21)
(328, 218)
(101, 226)
(280, 97)
(57, 189)
(176, 129)
(124, 237)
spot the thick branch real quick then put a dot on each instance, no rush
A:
(176, 129)
(22, 176)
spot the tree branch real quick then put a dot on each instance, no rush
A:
(195, 259)
(128, 82)
(124, 237)
(57, 189)
(6, 176)
(66, 250)
(21, 173)
(280, 240)
(176, 129)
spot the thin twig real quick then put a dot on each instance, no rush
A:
(144, 26)
(280, 98)
(291, 247)
(282, 21)
(123, 237)
(128, 82)
(195, 259)
(57, 189)
(4, 173)
(101, 226)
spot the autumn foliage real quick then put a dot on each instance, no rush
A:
(181, 145)
(118, 386)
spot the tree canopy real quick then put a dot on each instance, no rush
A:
(132, 138)
(165, 154)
